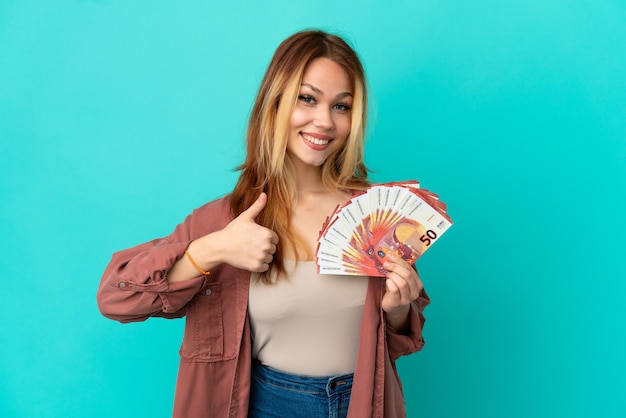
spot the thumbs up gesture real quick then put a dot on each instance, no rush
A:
(246, 244)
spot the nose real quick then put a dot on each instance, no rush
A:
(323, 119)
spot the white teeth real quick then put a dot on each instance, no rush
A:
(315, 141)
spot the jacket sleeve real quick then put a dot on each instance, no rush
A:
(401, 345)
(134, 285)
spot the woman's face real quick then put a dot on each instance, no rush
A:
(320, 122)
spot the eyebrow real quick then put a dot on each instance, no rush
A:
(321, 93)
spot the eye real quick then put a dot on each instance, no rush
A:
(342, 107)
(306, 98)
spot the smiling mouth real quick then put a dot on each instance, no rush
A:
(314, 140)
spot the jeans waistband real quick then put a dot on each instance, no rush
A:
(304, 383)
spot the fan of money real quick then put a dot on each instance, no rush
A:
(390, 218)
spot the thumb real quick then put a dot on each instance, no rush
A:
(253, 211)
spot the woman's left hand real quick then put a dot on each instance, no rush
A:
(403, 287)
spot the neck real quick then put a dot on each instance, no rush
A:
(308, 178)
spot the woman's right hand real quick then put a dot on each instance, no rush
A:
(245, 244)
(242, 243)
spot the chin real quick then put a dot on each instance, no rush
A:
(315, 163)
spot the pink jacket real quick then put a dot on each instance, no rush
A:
(214, 371)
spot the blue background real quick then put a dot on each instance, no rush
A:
(117, 118)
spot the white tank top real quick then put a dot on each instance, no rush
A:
(308, 324)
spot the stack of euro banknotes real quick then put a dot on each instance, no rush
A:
(392, 218)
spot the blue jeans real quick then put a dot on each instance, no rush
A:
(276, 394)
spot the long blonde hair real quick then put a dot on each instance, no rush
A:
(267, 166)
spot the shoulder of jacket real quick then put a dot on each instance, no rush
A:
(217, 207)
